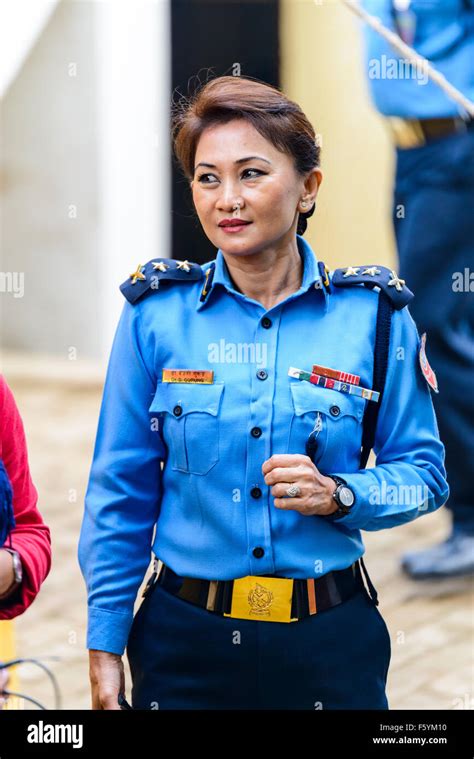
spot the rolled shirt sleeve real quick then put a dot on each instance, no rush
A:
(123, 496)
(409, 478)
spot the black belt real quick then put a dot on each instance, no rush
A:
(310, 596)
(415, 132)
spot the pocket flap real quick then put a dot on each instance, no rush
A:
(190, 396)
(308, 397)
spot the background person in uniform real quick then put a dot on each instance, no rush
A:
(434, 226)
(247, 525)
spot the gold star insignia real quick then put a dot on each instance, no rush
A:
(183, 265)
(160, 266)
(351, 271)
(138, 274)
(396, 281)
(372, 270)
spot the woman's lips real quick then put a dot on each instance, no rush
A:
(235, 227)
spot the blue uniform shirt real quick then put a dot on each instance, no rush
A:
(210, 502)
(444, 34)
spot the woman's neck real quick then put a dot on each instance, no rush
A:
(267, 277)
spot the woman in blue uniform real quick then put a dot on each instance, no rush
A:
(241, 400)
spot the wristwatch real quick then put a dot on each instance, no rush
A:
(343, 496)
(18, 572)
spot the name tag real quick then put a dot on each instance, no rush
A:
(195, 376)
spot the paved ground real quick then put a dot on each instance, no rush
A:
(430, 625)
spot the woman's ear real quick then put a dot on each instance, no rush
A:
(313, 182)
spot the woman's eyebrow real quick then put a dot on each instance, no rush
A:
(239, 160)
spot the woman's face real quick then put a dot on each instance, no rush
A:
(234, 163)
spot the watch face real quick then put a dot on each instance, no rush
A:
(346, 496)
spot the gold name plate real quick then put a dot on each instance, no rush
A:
(267, 599)
(194, 376)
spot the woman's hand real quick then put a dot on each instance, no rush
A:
(283, 470)
(107, 679)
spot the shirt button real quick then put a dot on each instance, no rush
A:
(255, 492)
(334, 410)
(262, 374)
(258, 552)
(266, 322)
(255, 431)
(178, 410)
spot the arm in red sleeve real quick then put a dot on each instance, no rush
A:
(30, 537)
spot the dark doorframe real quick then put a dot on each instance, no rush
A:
(209, 38)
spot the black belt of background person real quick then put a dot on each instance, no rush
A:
(414, 132)
(329, 590)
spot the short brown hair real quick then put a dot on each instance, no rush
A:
(272, 114)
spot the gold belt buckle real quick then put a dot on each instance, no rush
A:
(407, 133)
(265, 599)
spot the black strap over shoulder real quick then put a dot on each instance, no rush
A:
(381, 350)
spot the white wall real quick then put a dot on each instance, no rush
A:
(84, 172)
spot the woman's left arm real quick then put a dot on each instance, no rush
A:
(409, 478)
(30, 537)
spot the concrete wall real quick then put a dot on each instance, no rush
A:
(49, 190)
(85, 174)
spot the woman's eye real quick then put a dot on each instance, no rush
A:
(257, 171)
(203, 177)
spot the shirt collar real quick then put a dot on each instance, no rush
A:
(219, 278)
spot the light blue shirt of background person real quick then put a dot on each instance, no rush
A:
(208, 520)
(444, 34)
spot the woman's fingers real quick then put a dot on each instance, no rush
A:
(279, 490)
(291, 504)
(284, 461)
(289, 474)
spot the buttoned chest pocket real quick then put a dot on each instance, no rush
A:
(333, 417)
(190, 415)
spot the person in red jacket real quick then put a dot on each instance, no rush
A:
(25, 555)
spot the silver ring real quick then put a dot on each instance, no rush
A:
(293, 490)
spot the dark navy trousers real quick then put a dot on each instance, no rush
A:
(434, 228)
(182, 656)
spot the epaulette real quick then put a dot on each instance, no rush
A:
(375, 276)
(146, 278)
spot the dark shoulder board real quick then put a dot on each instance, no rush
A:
(147, 278)
(371, 276)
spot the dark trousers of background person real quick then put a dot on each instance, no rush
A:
(434, 228)
(183, 656)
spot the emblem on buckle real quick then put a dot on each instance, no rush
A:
(266, 599)
(260, 600)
